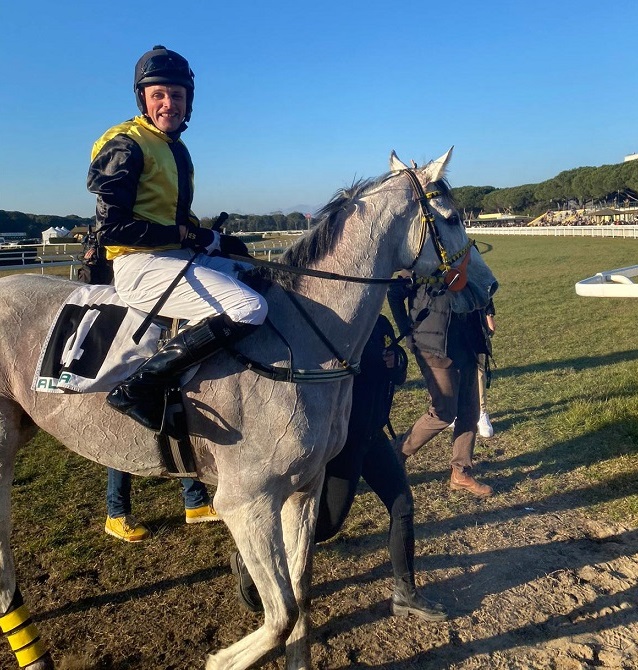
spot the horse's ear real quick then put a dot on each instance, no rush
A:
(396, 164)
(436, 169)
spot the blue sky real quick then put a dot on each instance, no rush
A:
(295, 100)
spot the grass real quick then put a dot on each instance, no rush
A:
(563, 401)
(564, 398)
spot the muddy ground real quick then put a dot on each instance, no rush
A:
(530, 583)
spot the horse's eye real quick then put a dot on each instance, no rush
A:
(454, 219)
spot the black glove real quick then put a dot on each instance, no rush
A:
(233, 245)
(200, 238)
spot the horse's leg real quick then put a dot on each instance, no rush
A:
(299, 519)
(16, 429)
(256, 529)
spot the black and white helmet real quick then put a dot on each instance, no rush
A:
(163, 66)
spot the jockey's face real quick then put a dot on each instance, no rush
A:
(166, 106)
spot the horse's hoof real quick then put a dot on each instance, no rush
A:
(43, 663)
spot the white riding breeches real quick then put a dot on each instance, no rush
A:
(209, 287)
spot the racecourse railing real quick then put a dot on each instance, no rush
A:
(622, 231)
(24, 259)
(66, 255)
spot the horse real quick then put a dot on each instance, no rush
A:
(267, 490)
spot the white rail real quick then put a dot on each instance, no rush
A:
(623, 231)
(41, 263)
(19, 260)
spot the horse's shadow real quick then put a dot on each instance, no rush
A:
(127, 595)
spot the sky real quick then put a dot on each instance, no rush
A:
(295, 100)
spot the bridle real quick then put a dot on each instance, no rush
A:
(452, 279)
(447, 277)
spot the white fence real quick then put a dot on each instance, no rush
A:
(623, 231)
(19, 260)
(26, 258)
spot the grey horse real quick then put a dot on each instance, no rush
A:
(267, 489)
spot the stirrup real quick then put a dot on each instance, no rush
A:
(173, 439)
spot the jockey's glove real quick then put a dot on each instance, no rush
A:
(203, 239)
(229, 244)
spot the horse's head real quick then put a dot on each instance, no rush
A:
(437, 247)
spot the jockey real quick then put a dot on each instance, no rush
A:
(142, 175)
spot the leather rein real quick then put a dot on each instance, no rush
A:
(448, 277)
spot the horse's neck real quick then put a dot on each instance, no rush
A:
(363, 251)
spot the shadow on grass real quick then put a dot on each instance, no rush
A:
(126, 595)
(579, 363)
(492, 572)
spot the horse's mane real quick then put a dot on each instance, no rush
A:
(321, 240)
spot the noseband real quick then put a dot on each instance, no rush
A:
(454, 279)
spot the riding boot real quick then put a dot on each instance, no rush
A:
(406, 600)
(246, 590)
(141, 396)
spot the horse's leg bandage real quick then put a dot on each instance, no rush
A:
(22, 634)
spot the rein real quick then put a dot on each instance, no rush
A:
(449, 278)
(292, 269)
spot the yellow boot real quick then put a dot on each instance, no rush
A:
(201, 514)
(126, 528)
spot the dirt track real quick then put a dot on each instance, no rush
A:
(529, 583)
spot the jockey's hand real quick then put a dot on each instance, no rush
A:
(202, 239)
(233, 245)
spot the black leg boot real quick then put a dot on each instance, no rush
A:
(141, 396)
(246, 590)
(406, 600)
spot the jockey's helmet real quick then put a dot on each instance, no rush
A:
(163, 66)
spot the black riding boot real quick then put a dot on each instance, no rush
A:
(406, 600)
(141, 396)
(246, 590)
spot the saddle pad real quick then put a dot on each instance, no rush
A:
(89, 347)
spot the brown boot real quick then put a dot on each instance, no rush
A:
(462, 481)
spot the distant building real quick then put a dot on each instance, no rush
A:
(79, 232)
(630, 157)
(53, 233)
(499, 219)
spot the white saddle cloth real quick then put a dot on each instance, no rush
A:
(89, 347)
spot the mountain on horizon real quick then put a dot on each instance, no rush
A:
(304, 209)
